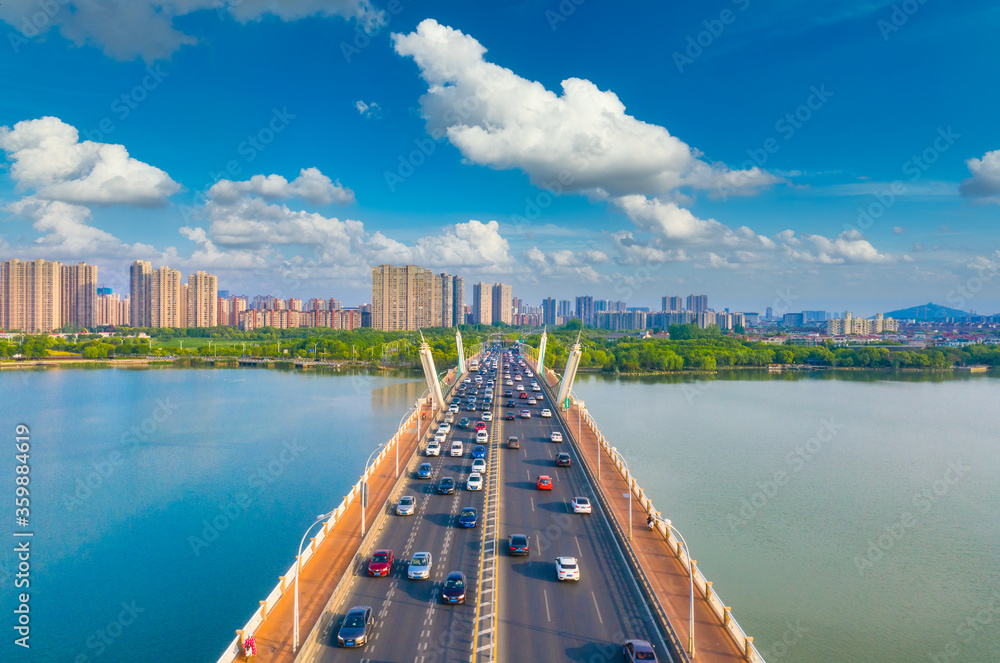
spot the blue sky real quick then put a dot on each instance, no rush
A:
(825, 155)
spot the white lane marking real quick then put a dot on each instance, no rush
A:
(532, 503)
(580, 552)
(546, 595)
(528, 472)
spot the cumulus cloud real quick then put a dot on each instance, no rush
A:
(985, 180)
(582, 140)
(48, 157)
(129, 29)
(850, 246)
(372, 110)
(564, 263)
(311, 185)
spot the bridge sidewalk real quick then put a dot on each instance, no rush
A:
(332, 560)
(668, 578)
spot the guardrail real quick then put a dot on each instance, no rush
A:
(287, 582)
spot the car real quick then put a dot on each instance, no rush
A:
(532, 401)
(517, 544)
(519, 387)
(567, 568)
(526, 414)
(638, 650)
(463, 422)
(381, 563)
(480, 425)
(433, 448)
(513, 442)
(546, 414)
(563, 459)
(467, 380)
(510, 416)
(508, 393)
(420, 566)
(523, 394)
(535, 387)
(424, 471)
(482, 436)
(356, 627)
(478, 451)
(471, 407)
(474, 482)
(456, 449)
(479, 465)
(556, 436)
(440, 436)
(544, 482)
(487, 416)
(580, 505)
(450, 419)
(517, 378)
(509, 383)
(468, 517)
(511, 404)
(446, 486)
(453, 408)
(406, 506)
(444, 427)
(454, 588)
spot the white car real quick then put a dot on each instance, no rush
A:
(433, 449)
(487, 416)
(580, 505)
(406, 506)
(567, 568)
(456, 449)
(420, 566)
(467, 380)
(519, 387)
(556, 436)
(440, 437)
(453, 408)
(474, 482)
(450, 419)
(510, 383)
(478, 466)
(482, 436)
(444, 428)
(546, 414)
(532, 401)
(535, 387)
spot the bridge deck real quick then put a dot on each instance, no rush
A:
(668, 578)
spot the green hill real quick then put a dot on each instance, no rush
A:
(928, 311)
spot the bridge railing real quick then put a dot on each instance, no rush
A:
(287, 582)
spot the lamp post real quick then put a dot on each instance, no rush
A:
(364, 488)
(298, 570)
(628, 478)
(691, 576)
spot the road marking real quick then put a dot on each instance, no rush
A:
(532, 503)
(580, 552)
(546, 595)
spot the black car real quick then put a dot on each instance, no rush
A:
(508, 393)
(510, 416)
(446, 486)
(518, 544)
(454, 588)
(638, 650)
(356, 627)
(563, 459)
(511, 404)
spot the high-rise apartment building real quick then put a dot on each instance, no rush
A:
(202, 300)
(111, 310)
(31, 295)
(78, 293)
(405, 298)
(697, 303)
(140, 282)
(482, 304)
(585, 309)
(452, 305)
(458, 291)
(548, 311)
(165, 303)
(502, 306)
(565, 309)
(672, 303)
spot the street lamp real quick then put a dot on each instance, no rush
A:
(691, 576)
(628, 476)
(364, 487)
(298, 570)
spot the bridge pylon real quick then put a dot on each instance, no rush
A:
(572, 363)
(430, 373)
(461, 352)
(541, 354)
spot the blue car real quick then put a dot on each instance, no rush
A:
(478, 451)
(424, 471)
(468, 517)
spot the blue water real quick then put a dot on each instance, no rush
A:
(166, 502)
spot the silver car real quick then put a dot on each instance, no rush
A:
(420, 566)
(406, 505)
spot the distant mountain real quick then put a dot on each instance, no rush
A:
(928, 311)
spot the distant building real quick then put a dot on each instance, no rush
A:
(752, 319)
(793, 319)
(620, 320)
(585, 309)
(549, 311)
(565, 310)
(671, 303)
(482, 304)
(502, 304)
(697, 303)
(112, 311)
(405, 298)
(849, 325)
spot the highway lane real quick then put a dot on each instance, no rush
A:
(540, 617)
(411, 622)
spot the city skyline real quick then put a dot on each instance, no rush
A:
(823, 184)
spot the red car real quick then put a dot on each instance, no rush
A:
(481, 425)
(523, 394)
(544, 482)
(381, 563)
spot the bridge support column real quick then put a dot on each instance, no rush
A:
(430, 374)
(461, 355)
(569, 375)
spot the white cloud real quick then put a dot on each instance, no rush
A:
(48, 157)
(563, 264)
(985, 180)
(311, 185)
(580, 141)
(849, 247)
(127, 29)
(372, 110)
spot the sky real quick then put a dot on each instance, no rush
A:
(833, 155)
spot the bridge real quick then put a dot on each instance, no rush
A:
(634, 582)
